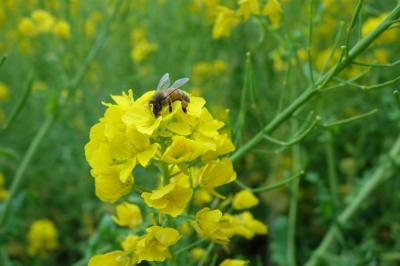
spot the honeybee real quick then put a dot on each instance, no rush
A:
(166, 95)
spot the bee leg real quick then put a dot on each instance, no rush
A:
(184, 107)
(170, 105)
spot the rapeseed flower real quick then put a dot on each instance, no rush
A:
(231, 262)
(128, 214)
(170, 199)
(244, 200)
(4, 92)
(248, 8)
(3, 191)
(225, 21)
(62, 29)
(273, 10)
(245, 225)
(43, 20)
(212, 224)
(27, 27)
(42, 237)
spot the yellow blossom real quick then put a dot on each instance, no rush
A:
(62, 29)
(244, 200)
(245, 225)
(154, 245)
(42, 237)
(216, 173)
(182, 150)
(114, 258)
(27, 27)
(142, 50)
(202, 197)
(225, 21)
(170, 199)
(128, 214)
(4, 92)
(213, 225)
(197, 253)
(230, 262)
(43, 20)
(3, 191)
(387, 36)
(273, 10)
(248, 8)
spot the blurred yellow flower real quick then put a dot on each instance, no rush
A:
(128, 214)
(202, 197)
(213, 225)
(248, 8)
(245, 225)
(42, 237)
(142, 50)
(62, 29)
(386, 37)
(225, 21)
(27, 27)
(244, 200)
(382, 56)
(230, 262)
(43, 20)
(114, 258)
(197, 253)
(3, 191)
(4, 92)
(154, 245)
(273, 10)
(170, 199)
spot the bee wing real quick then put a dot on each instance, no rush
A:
(179, 83)
(164, 82)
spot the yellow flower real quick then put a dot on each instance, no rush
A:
(114, 258)
(381, 55)
(118, 257)
(4, 92)
(248, 8)
(202, 197)
(230, 262)
(62, 29)
(386, 37)
(154, 245)
(244, 200)
(43, 20)
(245, 225)
(128, 214)
(170, 199)
(216, 173)
(197, 253)
(224, 145)
(27, 27)
(225, 21)
(3, 191)
(108, 185)
(273, 10)
(142, 50)
(213, 225)
(42, 237)
(182, 150)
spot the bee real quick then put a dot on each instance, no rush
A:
(166, 95)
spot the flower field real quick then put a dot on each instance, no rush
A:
(199, 132)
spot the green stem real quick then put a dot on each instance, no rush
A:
(309, 93)
(190, 246)
(206, 255)
(382, 171)
(277, 185)
(332, 176)
(22, 168)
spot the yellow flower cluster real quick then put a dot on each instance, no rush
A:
(41, 22)
(141, 46)
(189, 148)
(227, 18)
(203, 71)
(42, 237)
